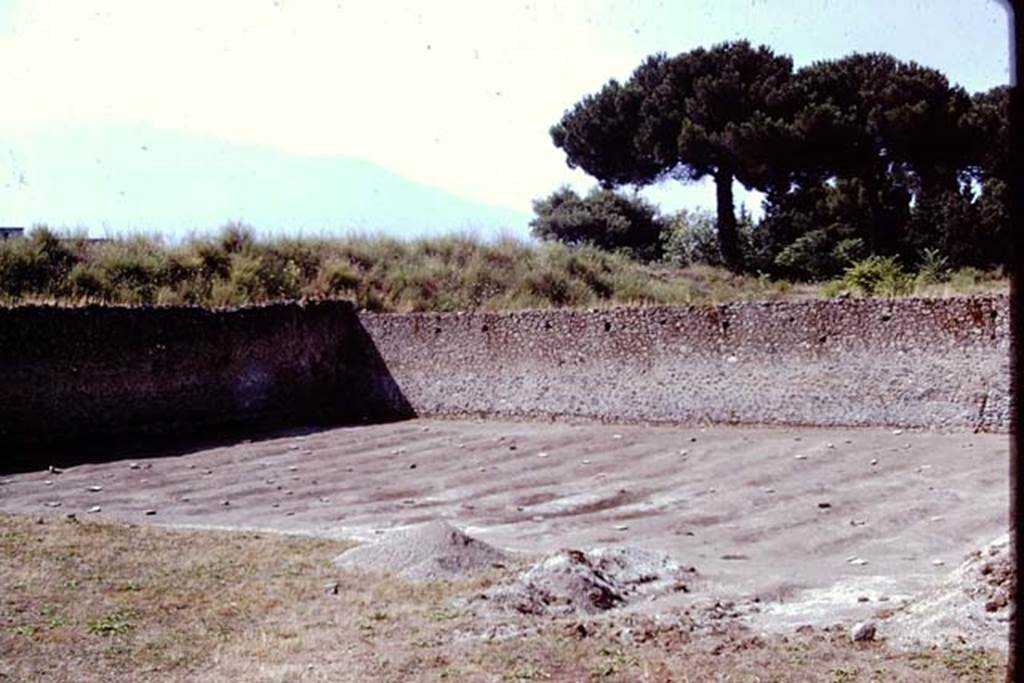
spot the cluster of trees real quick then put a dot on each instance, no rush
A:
(861, 155)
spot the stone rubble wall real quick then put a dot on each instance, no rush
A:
(88, 373)
(98, 371)
(930, 363)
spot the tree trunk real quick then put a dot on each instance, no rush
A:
(728, 235)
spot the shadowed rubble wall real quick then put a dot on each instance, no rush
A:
(69, 373)
(73, 373)
(940, 363)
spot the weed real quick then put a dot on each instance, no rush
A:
(115, 623)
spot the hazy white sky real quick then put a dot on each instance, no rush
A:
(457, 94)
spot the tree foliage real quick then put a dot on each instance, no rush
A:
(604, 218)
(858, 156)
(717, 112)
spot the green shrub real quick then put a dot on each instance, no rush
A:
(934, 268)
(878, 275)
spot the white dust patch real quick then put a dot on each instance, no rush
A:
(854, 597)
(425, 552)
(971, 608)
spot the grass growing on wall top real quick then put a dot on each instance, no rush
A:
(449, 273)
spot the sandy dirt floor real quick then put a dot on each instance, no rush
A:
(820, 526)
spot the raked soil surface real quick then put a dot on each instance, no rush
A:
(808, 521)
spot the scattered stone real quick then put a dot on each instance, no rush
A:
(538, 518)
(71, 516)
(621, 527)
(971, 607)
(94, 489)
(588, 582)
(585, 461)
(684, 452)
(858, 561)
(149, 512)
(800, 456)
(135, 466)
(616, 436)
(331, 588)
(874, 461)
(542, 454)
(897, 432)
(935, 518)
(95, 508)
(53, 504)
(858, 522)
(426, 552)
(863, 598)
(47, 482)
(769, 490)
(225, 503)
(937, 562)
(55, 470)
(412, 466)
(862, 632)
(824, 505)
(293, 468)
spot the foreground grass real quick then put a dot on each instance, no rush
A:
(456, 272)
(99, 602)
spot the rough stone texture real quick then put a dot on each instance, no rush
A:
(941, 363)
(75, 373)
(589, 581)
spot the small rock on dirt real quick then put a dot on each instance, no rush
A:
(863, 631)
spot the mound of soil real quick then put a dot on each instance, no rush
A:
(590, 581)
(426, 552)
(972, 607)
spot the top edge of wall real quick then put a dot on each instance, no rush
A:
(311, 303)
(732, 305)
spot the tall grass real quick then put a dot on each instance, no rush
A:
(449, 273)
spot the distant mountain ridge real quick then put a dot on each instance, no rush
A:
(123, 179)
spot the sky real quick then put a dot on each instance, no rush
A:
(454, 95)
